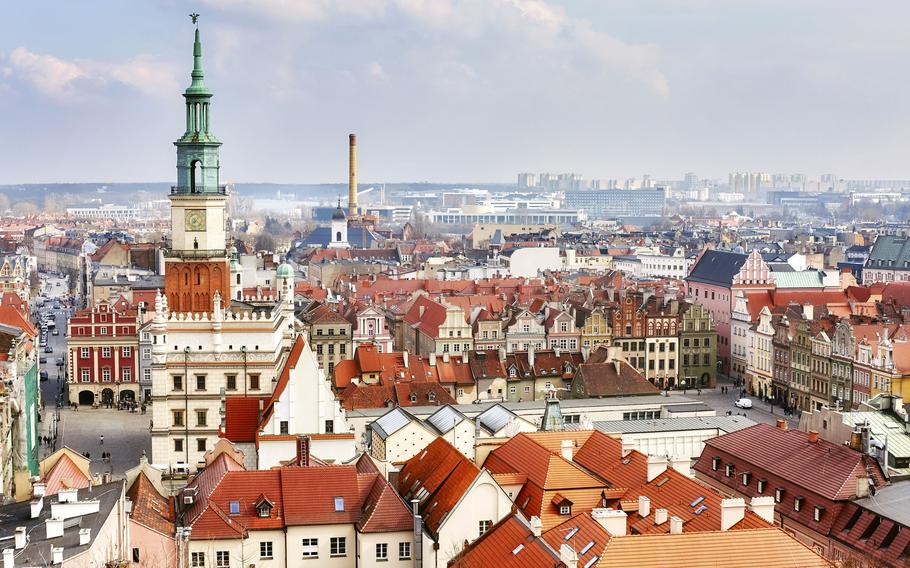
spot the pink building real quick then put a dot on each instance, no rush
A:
(713, 281)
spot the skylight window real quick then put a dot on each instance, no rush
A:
(235, 507)
(586, 548)
(339, 504)
(697, 501)
(701, 509)
(592, 562)
(518, 549)
(571, 533)
(662, 481)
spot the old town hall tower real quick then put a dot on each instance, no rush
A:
(196, 265)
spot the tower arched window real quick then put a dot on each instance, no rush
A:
(195, 176)
(338, 236)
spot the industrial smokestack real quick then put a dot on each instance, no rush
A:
(352, 175)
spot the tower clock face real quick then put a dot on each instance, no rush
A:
(195, 219)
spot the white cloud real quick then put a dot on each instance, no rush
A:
(376, 71)
(63, 79)
(527, 27)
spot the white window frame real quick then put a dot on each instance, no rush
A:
(106, 352)
(197, 559)
(382, 552)
(266, 546)
(338, 547)
(309, 548)
(222, 559)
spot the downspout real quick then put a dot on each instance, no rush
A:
(243, 350)
(186, 404)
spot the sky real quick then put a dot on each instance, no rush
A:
(458, 90)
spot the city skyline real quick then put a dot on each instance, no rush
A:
(457, 91)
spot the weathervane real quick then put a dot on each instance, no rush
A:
(194, 16)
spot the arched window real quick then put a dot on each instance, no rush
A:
(195, 175)
(338, 236)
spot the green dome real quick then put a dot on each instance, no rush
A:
(285, 271)
(235, 266)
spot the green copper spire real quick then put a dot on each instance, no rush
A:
(197, 87)
(197, 149)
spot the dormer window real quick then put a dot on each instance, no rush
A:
(565, 510)
(413, 398)
(513, 372)
(715, 463)
(761, 485)
(817, 514)
(798, 503)
(264, 507)
(431, 396)
(728, 469)
(779, 494)
(746, 476)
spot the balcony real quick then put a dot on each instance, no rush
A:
(177, 190)
(196, 253)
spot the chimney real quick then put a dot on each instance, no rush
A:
(782, 424)
(568, 556)
(644, 506)
(660, 516)
(808, 311)
(682, 464)
(556, 352)
(39, 490)
(54, 527)
(404, 355)
(20, 538)
(862, 486)
(627, 447)
(445, 357)
(531, 356)
(813, 437)
(432, 359)
(68, 495)
(565, 449)
(352, 176)
(36, 506)
(617, 366)
(676, 525)
(420, 310)
(536, 526)
(85, 535)
(261, 405)
(763, 507)
(502, 354)
(856, 441)
(732, 511)
(8, 558)
(613, 520)
(56, 555)
(656, 466)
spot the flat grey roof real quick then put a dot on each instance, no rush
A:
(892, 501)
(566, 405)
(725, 423)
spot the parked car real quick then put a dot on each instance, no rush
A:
(743, 403)
(56, 331)
(48, 349)
(43, 375)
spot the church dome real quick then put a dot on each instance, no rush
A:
(339, 215)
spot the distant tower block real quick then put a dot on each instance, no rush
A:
(352, 175)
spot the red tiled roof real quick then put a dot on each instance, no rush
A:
(444, 473)
(150, 508)
(13, 317)
(434, 315)
(611, 378)
(207, 480)
(580, 532)
(241, 417)
(508, 544)
(791, 456)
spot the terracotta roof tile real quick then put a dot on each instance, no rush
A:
(65, 474)
(150, 508)
(768, 548)
(508, 544)
(241, 417)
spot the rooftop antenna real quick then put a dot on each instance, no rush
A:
(195, 17)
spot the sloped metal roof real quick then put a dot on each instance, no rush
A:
(495, 418)
(391, 422)
(446, 418)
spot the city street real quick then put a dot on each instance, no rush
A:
(126, 434)
(723, 402)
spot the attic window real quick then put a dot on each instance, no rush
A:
(798, 503)
(715, 463)
(413, 397)
(234, 507)
(518, 549)
(728, 469)
(761, 485)
(697, 501)
(432, 396)
(339, 504)
(571, 533)
(565, 510)
(817, 514)
(779, 494)
(746, 476)
(592, 562)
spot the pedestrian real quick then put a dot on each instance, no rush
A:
(101, 438)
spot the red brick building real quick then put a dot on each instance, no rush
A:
(102, 354)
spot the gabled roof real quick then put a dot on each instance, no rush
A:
(445, 419)
(392, 421)
(584, 534)
(611, 378)
(433, 315)
(717, 267)
(65, 474)
(242, 416)
(495, 418)
(438, 476)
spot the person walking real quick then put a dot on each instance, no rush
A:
(101, 439)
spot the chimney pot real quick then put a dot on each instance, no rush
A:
(536, 526)
(656, 466)
(644, 506)
(763, 507)
(568, 556)
(676, 525)
(612, 520)
(782, 424)
(732, 511)
(813, 437)
(566, 448)
(862, 486)
(660, 516)
(19, 541)
(9, 558)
